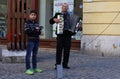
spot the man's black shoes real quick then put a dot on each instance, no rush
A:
(65, 67)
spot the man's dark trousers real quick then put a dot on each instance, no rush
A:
(63, 45)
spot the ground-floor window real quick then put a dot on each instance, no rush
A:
(47, 9)
(3, 18)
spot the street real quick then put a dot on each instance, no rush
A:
(82, 67)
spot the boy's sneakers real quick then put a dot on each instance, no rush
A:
(32, 71)
(37, 70)
(29, 72)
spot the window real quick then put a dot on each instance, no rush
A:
(47, 10)
(3, 18)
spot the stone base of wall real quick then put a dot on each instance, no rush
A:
(102, 45)
(13, 56)
(1, 47)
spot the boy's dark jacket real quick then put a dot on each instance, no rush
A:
(30, 30)
(73, 21)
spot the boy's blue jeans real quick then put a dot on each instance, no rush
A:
(32, 49)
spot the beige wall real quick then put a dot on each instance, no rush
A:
(100, 14)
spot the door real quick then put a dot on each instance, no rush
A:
(18, 11)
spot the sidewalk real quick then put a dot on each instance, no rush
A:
(82, 67)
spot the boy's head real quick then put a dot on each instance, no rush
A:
(33, 15)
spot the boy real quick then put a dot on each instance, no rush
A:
(33, 31)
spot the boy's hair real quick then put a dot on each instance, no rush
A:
(33, 11)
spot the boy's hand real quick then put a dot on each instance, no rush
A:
(37, 28)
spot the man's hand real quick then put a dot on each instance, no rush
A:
(42, 34)
(80, 27)
(56, 20)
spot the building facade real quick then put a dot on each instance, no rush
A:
(13, 14)
(101, 25)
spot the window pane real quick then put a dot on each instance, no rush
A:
(3, 14)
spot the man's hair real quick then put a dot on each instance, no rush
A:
(64, 4)
(33, 11)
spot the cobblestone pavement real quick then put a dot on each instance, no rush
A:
(82, 67)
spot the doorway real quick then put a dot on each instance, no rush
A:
(18, 11)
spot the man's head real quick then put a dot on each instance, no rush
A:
(65, 7)
(33, 15)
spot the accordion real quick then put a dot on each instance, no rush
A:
(79, 26)
(60, 25)
(74, 22)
